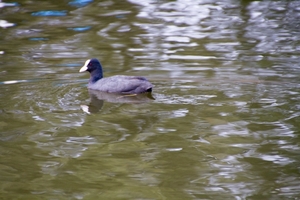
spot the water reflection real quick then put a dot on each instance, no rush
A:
(80, 3)
(98, 98)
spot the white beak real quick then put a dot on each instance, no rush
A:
(84, 68)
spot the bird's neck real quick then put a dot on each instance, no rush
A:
(95, 76)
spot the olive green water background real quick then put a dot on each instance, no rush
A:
(224, 123)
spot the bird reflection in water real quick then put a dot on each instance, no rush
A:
(98, 98)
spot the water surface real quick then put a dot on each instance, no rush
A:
(224, 123)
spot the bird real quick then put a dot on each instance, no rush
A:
(114, 84)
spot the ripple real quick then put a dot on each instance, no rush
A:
(178, 39)
(179, 113)
(38, 39)
(5, 24)
(174, 149)
(7, 4)
(80, 29)
(186, 99)
(82, 140)
(267, 101)
(14, 81)
(80, 3)
(189, 57)
(277, 159)
(50, 13)
(118, 13)
(236, 128)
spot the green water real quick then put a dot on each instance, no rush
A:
(223, 124)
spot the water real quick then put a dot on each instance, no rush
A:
(224, 123)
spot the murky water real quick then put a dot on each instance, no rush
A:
(224, 123)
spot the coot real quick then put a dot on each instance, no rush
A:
(114, 84)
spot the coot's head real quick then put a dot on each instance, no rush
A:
(94, 67)
(91, 65)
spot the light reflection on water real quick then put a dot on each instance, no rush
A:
(223, 122)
